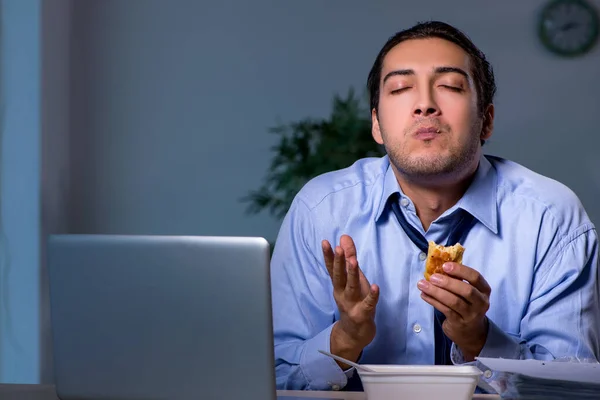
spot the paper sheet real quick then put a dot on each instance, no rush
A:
(566, 371)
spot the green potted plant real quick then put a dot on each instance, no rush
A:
(310, 147)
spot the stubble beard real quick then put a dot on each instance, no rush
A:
(454, 162)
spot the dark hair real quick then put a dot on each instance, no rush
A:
(483, 75)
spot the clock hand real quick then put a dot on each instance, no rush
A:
(569, 26)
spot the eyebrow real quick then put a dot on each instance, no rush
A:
(437, 71)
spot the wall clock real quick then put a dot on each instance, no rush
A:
(568, 27)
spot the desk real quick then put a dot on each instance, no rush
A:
(47, 392)
(298, 394)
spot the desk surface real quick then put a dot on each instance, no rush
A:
(298, 394)
(47, 392)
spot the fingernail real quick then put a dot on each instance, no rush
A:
(423, 284)
(447, 267)
(435, 278)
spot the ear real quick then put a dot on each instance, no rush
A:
(375, 128)
(488, 123)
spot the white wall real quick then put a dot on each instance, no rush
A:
(172, 100)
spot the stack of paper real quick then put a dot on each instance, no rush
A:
(532, 379)
(525, 387)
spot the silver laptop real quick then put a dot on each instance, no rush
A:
(161, 317)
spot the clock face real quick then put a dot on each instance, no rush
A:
(569, 27)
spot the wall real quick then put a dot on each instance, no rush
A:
(34, 170)
(19, 252)
(171, 104)
(55, 28)
(161, 110)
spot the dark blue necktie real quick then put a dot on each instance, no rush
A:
(457, 235)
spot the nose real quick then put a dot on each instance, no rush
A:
(425, 105)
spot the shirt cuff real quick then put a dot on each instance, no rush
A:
(497, 345)
(322, 372)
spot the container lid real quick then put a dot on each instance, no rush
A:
(447, 370)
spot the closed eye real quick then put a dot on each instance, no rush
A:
(400, 90)
(452, 88)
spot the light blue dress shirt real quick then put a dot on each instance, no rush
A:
(533, 243)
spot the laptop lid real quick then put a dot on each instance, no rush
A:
(161, 317)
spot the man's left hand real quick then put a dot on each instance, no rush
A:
(463, 297)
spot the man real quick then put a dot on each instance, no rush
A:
(347, 269)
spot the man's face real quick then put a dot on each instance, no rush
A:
(428, 118)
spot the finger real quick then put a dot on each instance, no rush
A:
(445, 298)
(468, 274)
(364, 282)
(447, 311)
(328, 257)
(370, 302)
(460, 288)
(347, 244)
(353, 280)
(339, 269)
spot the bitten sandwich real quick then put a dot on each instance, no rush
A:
(437, 255)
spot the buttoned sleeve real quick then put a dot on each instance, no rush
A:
(563, 316)
(303, 307)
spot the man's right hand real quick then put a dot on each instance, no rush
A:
(356, 300)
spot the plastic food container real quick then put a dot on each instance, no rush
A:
(420, 382)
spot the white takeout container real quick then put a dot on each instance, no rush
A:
(420, 382)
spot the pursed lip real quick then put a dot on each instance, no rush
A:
(427, 133)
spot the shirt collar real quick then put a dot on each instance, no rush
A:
(390, 186)
(480, 199)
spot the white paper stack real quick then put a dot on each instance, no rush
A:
(532, 379)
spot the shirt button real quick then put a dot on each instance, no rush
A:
(404, 202)
(422, 256)
(416, 328)
(487, 374)
(335, 387)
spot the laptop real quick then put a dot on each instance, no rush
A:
(161, 317)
